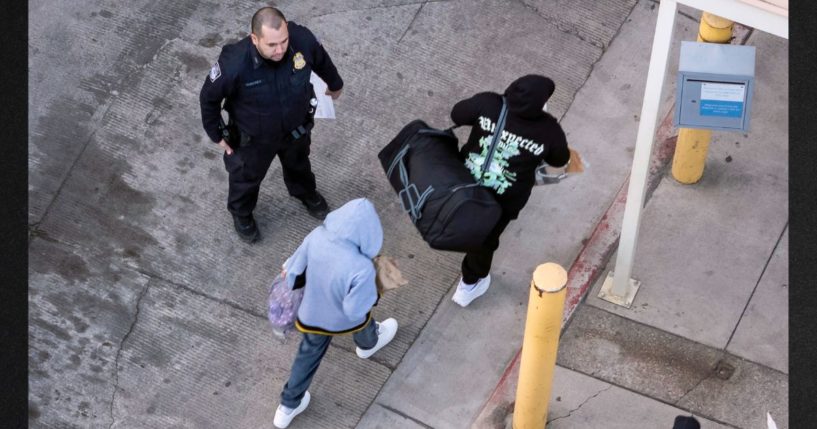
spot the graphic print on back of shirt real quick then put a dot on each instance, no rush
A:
(498, 177)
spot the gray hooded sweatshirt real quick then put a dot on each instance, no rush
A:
(340, 276)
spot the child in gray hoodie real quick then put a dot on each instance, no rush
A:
(338, 297)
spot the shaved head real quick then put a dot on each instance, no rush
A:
(267, 17)
(270, 33)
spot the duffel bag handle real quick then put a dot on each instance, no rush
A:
(448, 133)
(412, 201)
(410, 198)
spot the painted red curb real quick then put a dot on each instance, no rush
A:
(595, 254)
(584, 271)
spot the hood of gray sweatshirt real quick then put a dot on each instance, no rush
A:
(340, 276)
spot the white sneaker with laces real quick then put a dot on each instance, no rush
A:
(466, 293)
(385, 332)
(284, 415)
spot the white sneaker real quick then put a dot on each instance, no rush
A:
(385, 332)
(467, 293)
(284, 415)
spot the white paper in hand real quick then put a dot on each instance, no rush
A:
(770, 424)
(325, 109)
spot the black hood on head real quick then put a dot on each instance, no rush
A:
(528, 95)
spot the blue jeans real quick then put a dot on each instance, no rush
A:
(310, 353)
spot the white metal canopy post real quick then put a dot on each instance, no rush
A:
(643, 147)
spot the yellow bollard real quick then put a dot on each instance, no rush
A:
(690, 155)
(541, 342)
(693, 144)
(714, 29)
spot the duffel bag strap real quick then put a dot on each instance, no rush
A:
(398, 160)
(500, 126)
(410, 198)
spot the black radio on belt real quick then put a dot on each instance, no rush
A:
(229, 132)
(302, 130)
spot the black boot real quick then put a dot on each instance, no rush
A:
(246, 228)
(316, 205)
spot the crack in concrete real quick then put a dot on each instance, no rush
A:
(119, 351)
(40, 234)
(685, 14)
(569, 413)
(74, 163)
(337, 12)
(694, 387)
(34, 232)
(562, 27)
(757, 284)
(663, 401)
(202, 294)
(98, 125)
(406, 416)
(593, 66)
(706, 377)
(724, 352)
(409, 346)
(414, 18)
(743, 39)
(603, 50)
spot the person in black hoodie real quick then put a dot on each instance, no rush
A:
(531, 136)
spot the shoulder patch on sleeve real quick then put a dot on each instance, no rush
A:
(215, 72)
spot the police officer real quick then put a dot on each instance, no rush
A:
(263, 81)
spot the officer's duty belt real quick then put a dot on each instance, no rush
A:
(302, 130)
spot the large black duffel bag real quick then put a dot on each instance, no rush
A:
(449, 208)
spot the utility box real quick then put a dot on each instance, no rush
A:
(715, 85)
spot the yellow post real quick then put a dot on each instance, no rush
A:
(693, 144)
(541, 342)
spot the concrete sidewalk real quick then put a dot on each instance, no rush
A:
(145, 309)
(670, 363)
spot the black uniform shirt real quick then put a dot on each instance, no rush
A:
(266, 99)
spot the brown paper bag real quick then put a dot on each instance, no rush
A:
(576, 165)
(388, 275)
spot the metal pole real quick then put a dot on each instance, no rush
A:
(643, 146)
(539, 346)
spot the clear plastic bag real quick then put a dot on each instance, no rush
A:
(282, 305)
(547, 175)
(544, 177)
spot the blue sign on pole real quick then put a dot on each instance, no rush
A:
(722, 99)
(726, 109)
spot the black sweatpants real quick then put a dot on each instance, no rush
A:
(248, 165)
(477, 263)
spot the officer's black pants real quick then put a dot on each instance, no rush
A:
(248, 165)
(477, 263)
